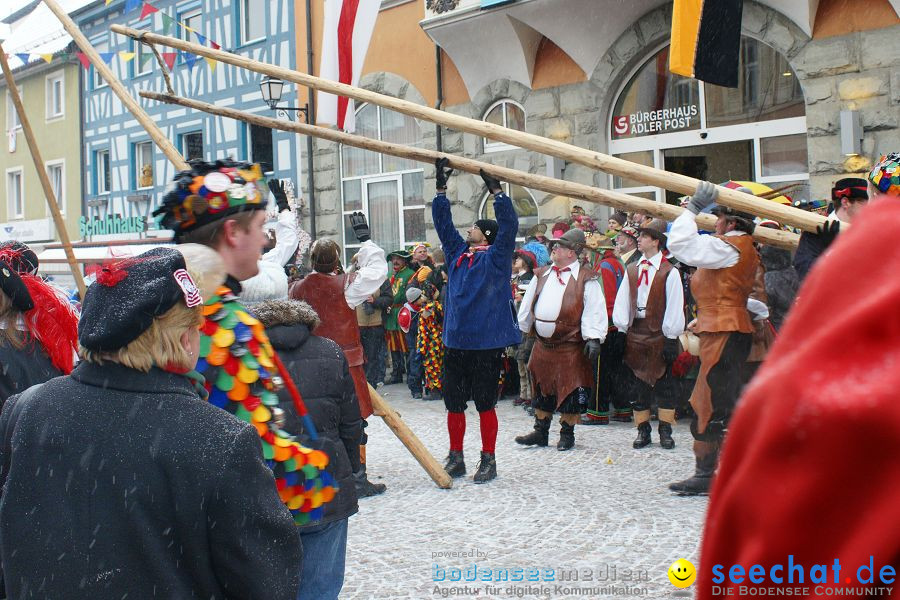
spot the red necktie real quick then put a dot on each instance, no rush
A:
(559, 273)
(643, 277)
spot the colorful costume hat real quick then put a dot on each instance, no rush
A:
(209, 192)
(885, 175)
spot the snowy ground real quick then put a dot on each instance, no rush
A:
(601, 508)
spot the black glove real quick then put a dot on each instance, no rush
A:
(442, 173)
(276, 186)
(493, 185)
(360, 227)
(616, 341)
(671, 350)
(592, 351)
(828, 232)
(705, 195)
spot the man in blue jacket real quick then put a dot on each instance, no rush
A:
(479, 318)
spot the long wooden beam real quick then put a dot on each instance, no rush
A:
(116, 86)
(683, 184)
(783, 239)
(52, 200)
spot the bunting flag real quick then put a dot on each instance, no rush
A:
(85, 61)
(144, 59)
(24, 57)
(132, 5)
(212, 64)
(168, 23)
(47, 57)
(215, 45)
(200, 38)
(706, 40)
(127, 56)
(107, 56)
(189, 59)
(108, 2)
(148, 10)
(169, 59)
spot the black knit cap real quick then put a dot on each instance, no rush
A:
(489, 228)
(209, 192)
(129, 294)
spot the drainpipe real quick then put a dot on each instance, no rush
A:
(84, 178)
(310, 112)
(439, 72)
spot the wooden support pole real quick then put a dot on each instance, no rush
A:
(410, 440)
(52, 201)
(786, 215)
(109, 77)
(783, 239)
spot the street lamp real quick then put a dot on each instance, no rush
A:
(272, 89)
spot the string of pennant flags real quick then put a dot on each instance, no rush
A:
(170, 58)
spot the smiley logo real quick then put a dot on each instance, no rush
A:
(682, 573)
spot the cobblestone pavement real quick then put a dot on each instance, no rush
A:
(598, 507)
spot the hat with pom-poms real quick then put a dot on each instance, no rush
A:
(885, 175)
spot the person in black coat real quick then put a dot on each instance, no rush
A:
(121, 480)
(319, 368)
(38, 327)
(782, 282)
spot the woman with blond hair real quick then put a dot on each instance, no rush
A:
(38, 327)
(124, 473)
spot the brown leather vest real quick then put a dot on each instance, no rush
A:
(721, 294)
(568, 323)
(644, 341)
(325, 294)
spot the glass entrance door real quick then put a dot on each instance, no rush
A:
(713, 162)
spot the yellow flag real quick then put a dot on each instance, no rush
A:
(126, 56)
(212, 64)
(47, 57)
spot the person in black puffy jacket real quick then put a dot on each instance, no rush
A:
(320, 370)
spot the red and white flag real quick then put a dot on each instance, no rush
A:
(348, 31)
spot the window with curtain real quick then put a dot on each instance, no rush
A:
(388, 190)
(504, 113)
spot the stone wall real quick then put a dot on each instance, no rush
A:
(858, 72)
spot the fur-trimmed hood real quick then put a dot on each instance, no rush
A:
(286, 312)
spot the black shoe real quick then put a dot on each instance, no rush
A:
(643, 436)
(706, 455)
(365, 488)
(417, 395)
(665, 436)
(487, 468)
(538, 437)
(455, 465)
(566, 437)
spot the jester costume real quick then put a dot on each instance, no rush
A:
(396, 340)
(430, 345)
(236, 359)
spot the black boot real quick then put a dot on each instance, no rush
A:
(398, 360)
(487, 468)
(706, 455)
(455, 465)
(665, 435)
(538, 437)
(566, 437)
(643, 436)
(364, 487)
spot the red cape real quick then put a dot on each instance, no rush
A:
(811, 463)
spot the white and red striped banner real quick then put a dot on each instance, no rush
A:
(348, 30)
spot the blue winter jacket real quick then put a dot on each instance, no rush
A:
(479, 311)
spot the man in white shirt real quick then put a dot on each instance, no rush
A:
(649, 311)
(564, 305)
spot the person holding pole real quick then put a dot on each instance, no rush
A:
(334, 296)
(222, 206)
(479, 318)
(726, 271)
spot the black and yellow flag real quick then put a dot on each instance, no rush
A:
(706, 40)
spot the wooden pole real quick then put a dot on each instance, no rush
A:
(52, 201)
(410, 440)
(783, 239)
(682, 184)
(106, 73)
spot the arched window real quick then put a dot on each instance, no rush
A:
(755, 132)
(523, 202)
(388, 190)
(505, 113)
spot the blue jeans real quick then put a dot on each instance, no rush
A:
(413, 363)
(324, 553)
